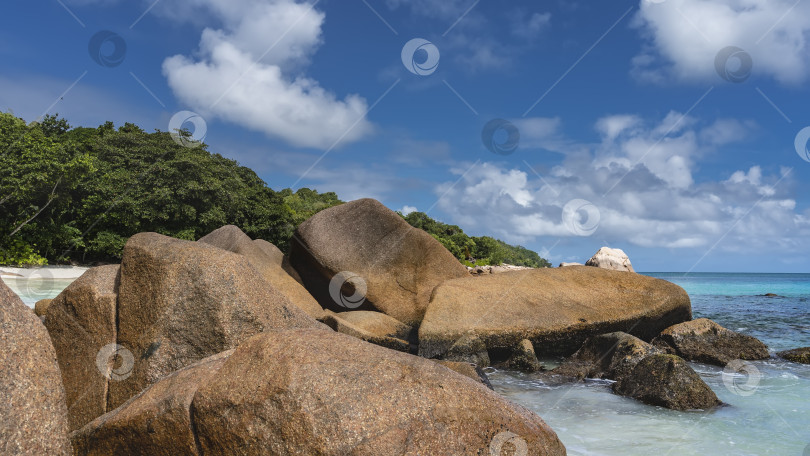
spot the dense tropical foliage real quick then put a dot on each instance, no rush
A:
(478, 251)
(77, 194)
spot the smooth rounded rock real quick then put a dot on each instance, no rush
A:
(555, 308)
(705, 341)
(33, 414)
(398, 265)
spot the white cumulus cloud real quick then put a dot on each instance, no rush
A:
(686, 36)
(244, 72)
(640, 180)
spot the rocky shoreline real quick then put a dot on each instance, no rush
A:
(368, 339)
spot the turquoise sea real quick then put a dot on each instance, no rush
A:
(768, 411)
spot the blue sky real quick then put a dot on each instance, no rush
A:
(666, 128)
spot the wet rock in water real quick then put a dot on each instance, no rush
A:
(705, 341)
(667, 381)
(33, 414)
(640, 370)
(611, 356)
(523, 358)
(613, 259)
(797, 355)
(554, 308)
(398, 265)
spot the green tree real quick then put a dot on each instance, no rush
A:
(78, 194)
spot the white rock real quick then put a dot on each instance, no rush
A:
(614, 259)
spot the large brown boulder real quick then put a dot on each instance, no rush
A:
(326, 393)
(398, 265)
(268, 261)
(375, 327)
(315, 392)
(556, 309)
(180, 302)
(33, 414)
(81, 323)
(667, 381)
(705, 341)
(610, 356)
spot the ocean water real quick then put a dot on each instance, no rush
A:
(32, 290)
(768, 411)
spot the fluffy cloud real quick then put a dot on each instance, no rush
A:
(242, 74)
(639, 180)
(407, 210)
(688, 34)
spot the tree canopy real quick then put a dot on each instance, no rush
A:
(77, 194)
